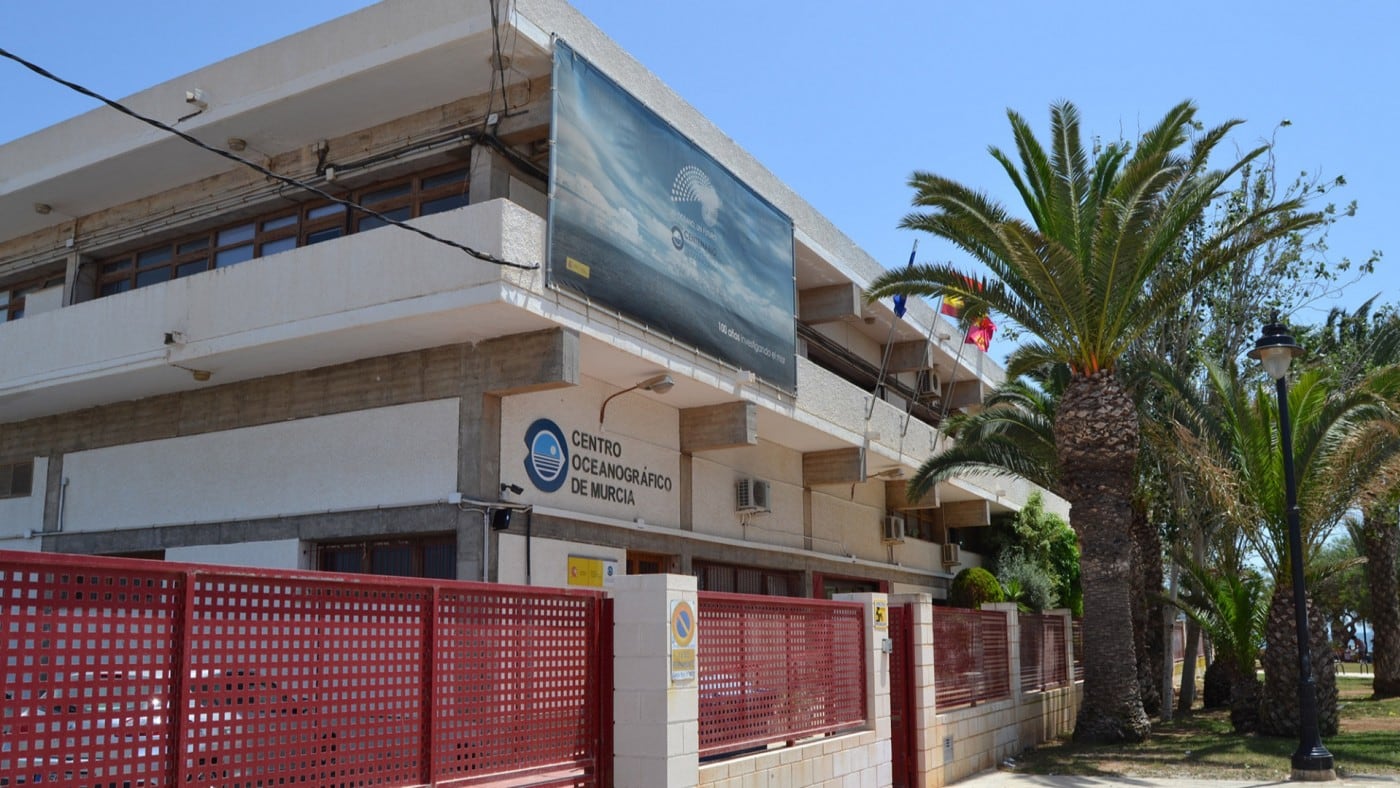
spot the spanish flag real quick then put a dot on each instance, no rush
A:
(980, 334)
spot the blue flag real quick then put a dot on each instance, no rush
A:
(899, 300)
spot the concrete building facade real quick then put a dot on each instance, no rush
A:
(202, 363)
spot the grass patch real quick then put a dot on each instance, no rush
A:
(1201, 745)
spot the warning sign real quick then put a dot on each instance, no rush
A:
(682, 630)
(882, 615)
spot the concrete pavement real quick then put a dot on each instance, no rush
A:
(1001, 779)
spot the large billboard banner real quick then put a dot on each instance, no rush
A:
(643, 221)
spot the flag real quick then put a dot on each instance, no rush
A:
(980, 334)
(952, 306)
(900, 300)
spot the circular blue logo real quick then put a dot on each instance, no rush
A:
(547, 460)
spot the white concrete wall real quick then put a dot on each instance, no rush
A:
(19, 515)
(379, 457)
(549, 559)
(714, 476)
(275, 554)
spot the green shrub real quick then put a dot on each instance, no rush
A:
(974, 587)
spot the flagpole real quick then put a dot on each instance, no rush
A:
(885, 359)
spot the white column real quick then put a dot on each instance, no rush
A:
(877, 678)
(656, 709)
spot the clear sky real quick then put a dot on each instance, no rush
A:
(843, 100)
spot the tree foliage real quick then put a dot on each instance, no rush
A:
(974, 587)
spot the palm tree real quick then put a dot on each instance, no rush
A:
(1353, 344)
(1231, 609)
(1340, 437)
(1012, 434)
(1082, 279)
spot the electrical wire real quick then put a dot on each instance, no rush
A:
(41, 71)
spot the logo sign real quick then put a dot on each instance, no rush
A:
(591, 572)
(547, 455)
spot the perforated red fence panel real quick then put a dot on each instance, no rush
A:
(304, 680)
(86, 673)
(1077, 634)
(1042, 652)
(971, 657)
(777, 669)
(136, 673)
(522, 678)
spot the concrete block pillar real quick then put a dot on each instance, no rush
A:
(656, 697)
(877, 677)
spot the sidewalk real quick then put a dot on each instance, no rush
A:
(999, 779)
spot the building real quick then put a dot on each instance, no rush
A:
(200, 362)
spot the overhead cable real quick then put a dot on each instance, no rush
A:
(41, 71)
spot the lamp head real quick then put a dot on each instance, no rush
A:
(659, 384)
(1276, 349)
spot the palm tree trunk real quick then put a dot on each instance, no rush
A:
(1278, 707)
(1244, 700)
(1380, 535)
(1147, 612)
(1189, 652)
(1096, 438)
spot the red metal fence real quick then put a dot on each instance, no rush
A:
(1043, 658)
(124, 673)
(971, 657)
(777, 669)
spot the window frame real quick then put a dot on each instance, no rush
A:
(122, 272)
(365, 549)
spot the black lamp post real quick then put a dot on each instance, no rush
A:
(1311, 761)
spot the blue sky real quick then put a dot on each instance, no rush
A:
(844, 100)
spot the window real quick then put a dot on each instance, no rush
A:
(12, 296)
(432, 556)
(286, 228)
(647, 563)
(746, 579)
(16, 479)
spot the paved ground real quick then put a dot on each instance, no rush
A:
(1013, 780)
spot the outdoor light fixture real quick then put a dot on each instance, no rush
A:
(659, 384)
(1311, 761)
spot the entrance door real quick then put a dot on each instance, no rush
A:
(904, 734)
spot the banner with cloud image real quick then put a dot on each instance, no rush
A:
(645, 222)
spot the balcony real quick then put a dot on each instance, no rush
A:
(364, 295)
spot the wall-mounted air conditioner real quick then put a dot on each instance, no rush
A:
(752, 495)
(893, 530)
(950, 555)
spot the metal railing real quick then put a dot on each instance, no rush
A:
(118, 671)
(972, 657)
(1043, 657)
(773, 670)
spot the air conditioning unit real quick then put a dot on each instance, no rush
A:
(951, 555)
(752, 495)
(893, 531)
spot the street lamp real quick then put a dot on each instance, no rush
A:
(1311, 761)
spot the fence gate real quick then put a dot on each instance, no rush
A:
(903, 725)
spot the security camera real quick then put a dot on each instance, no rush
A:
(513, 488)
(196, 97)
